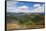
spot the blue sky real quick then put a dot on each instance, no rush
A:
(15, 6)
(29, 4)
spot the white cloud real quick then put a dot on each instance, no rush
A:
(22, 9)
(40, 9)
(36, 5)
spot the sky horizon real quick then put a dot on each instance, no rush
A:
(33, 7)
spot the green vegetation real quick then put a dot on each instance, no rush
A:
(28, 19)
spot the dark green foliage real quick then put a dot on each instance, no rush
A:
(36, 19)
(23, 20)
(27, 19)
